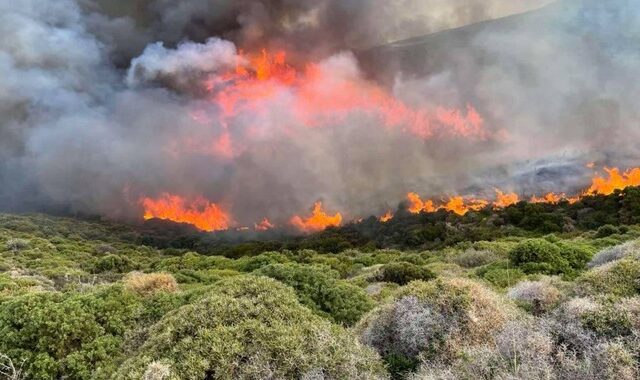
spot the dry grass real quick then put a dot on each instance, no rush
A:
(537, 296)
(157, 371)
(150, 283)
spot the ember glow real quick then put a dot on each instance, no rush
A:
(199, 212)
(318, 221)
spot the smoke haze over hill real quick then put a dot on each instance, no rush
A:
(103, 103)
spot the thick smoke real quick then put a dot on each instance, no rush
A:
(103, 102)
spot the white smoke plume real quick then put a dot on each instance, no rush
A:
(105, 102)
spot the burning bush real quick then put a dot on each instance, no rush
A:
(251, 328)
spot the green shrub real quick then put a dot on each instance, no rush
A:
(504, 277)
(619, 278)
(76, 336)
(578, 255)
(319, 289)
(113, 263)
(403, 273)
(249, 264)
(606, 230)
(542, 256)
(608, 321)
(251, 328)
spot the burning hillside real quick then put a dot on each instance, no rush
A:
(209, 217)
(265, 115)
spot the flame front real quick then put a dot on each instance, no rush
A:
(417, 205)
(318, 221)
(504, 200)
(614, 181)
(199, 212)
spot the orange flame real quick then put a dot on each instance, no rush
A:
(457, 204)
(209, 216)
(614, 181)
(318, 221)
(504, 200)
(264, 225)
(323, 98)
(417, 205)
(461, 206)
(199, 212)
(552, 198)
(386, 217)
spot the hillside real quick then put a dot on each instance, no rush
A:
(92, 299)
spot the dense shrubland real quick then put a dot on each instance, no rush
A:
(530, 292)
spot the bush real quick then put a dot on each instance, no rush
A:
(112, 263)
(616, 252)
(539, 255)
(157, 371)
(606, 230)
(503, 277)
(16, 245)
(252, 263)
(402, 273)
(75, 336)
(472, 258)
(432, 320)
(578, 255)
(620, 278)
(251, 328)
(150, 283)
(319, 289)
(536, 296)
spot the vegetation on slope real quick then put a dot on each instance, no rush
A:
(494, 294)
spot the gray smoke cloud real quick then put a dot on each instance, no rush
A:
(104, 102)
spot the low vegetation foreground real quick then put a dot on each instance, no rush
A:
(90, 299)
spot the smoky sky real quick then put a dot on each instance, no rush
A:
(101, 101)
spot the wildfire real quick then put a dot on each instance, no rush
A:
(504, 200)
(417, 205)
(456, 204)
(614, 181)
(599, 185)
(320, 97)
(461, 206)
(199, 212)
(318, 221)
(264, 225)
(387, 216)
